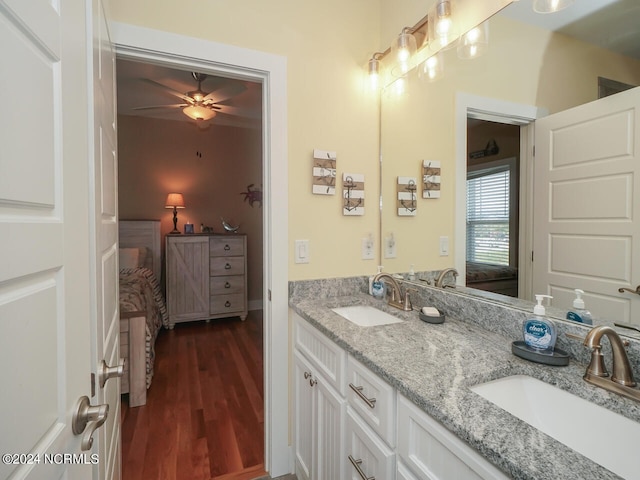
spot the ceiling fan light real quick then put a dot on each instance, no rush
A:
(198, 112)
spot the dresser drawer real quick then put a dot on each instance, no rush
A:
(373, 399)
(226, 247)
(226, 285)
(226, 304)
(226, 266)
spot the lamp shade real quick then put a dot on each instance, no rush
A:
(475, 42)
(442, 26)
(198, 112)
(174, 200)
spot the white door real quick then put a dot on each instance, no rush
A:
(45, 274)
(106, 331)
(586, 224)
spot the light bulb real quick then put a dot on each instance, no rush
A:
(551, 6)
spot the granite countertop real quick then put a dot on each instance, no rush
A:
(435, 364)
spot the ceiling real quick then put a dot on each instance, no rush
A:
(149, 85)
(611, 24)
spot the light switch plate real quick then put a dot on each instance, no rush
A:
(367, 248)
(301, 254)
(444, 246)
(390, 247)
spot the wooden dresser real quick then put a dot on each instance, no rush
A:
(206, 277)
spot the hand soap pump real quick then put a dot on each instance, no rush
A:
(579, 313)
(540, 332)
(377, 289)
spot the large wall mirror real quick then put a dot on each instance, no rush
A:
(470, 130)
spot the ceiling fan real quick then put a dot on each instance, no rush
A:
(198, 104)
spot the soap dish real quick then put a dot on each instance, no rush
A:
(430, 318)
(559, 358)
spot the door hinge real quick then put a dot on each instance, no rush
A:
(93, 385)
(269, 294)
(531, 256)
(533, 150)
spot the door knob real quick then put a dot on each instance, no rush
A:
(105, 372)
(87, 418)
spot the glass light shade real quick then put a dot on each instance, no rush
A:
(174, 200)
(402, 50)
(432, 68)
(374, 74)
(550, 6)
(442, 28)
(198, 112)
(475, 42)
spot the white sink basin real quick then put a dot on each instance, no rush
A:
(605, 437)
(366, 316)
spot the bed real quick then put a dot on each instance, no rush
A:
(142, 308)
(493, 278)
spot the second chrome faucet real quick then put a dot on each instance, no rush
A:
(396, 298)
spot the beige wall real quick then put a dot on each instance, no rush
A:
(209, 167)
(326, 44)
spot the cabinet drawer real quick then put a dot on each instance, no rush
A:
(373, 399)
(226, 285)
(433, 452)
(226, 303)
(324, 355)
(367, 452)
(226, 266)
(226, 247)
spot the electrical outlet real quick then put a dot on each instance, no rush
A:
(367, 248)
(390, 247)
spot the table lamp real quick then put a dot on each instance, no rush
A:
(175, 201)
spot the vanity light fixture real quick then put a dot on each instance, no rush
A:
(442, 26)
(475, 42)
(432, 68)
(175, 201)
(374, 71)
(402, 49)
(551, 6)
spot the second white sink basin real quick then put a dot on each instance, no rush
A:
(366, 316)
(605, 437)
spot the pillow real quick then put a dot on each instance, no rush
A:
(129, 257)
(142, 256)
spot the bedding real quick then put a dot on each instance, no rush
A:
(501, 279)
(140, 291)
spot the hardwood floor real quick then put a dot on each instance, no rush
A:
(204, 417)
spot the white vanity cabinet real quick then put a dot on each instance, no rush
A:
(319, 404)
(434, 453)
(351, 424)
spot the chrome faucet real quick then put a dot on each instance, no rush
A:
(397, 298)
(440, 280)
(621, 382)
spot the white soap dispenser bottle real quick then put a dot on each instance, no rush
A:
(579, 313)
(540, 332)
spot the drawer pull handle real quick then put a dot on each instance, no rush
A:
(227, 304)
(312, 381)
(227, 285)
(227, 267)
(371, 402)
(356, 465)
(227, 247)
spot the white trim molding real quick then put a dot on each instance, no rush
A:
(153, 46)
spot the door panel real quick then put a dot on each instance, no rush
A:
(44, 236)
(105, 219)
(586, 233)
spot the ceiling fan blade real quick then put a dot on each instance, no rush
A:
(224, 93)
(169, 90)
(237, 111)
(151, 107)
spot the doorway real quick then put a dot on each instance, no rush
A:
(163, 48)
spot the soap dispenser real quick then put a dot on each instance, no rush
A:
(579, 313)
(377, 289)
(540, 332)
